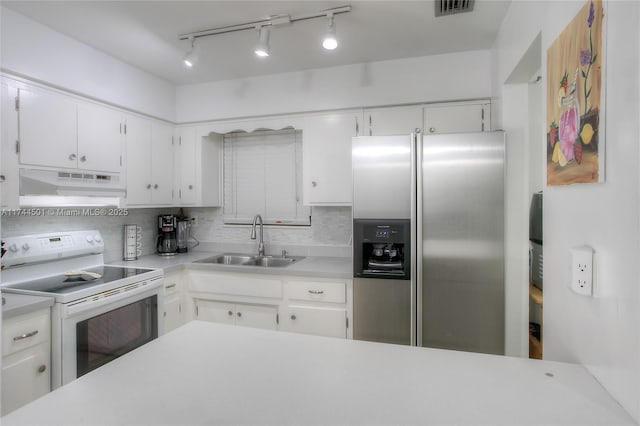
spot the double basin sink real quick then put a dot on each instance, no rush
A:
(240, 259)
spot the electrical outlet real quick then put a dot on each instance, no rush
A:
(582, 270)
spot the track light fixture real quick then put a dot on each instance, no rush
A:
(262, 48)
(330, 42)
(264, 26)
(191, 57)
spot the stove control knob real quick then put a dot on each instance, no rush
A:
(89, 238)
(13, 248)
(97, 238)
(26, 246)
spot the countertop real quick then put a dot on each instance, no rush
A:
(318, 266)
(18, 304)
(206, 373)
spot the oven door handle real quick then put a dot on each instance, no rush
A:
(110, 297)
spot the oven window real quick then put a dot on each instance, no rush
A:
(106, 337)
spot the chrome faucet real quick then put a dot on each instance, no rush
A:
(253, 234)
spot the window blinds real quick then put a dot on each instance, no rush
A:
(263, 175)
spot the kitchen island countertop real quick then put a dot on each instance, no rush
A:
(207, 373)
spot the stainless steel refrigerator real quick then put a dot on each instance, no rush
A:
(441, 286)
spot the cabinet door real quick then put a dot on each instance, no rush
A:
(9, 177)
(48, 131)
(100, 138)
(322, 321)
(186, 172)
(392, 121)
(456, 118)
(173, 317)
(25, 376)
(161, 164)
(208, 310)
(326, 150)
(257, 316)
(138, 141)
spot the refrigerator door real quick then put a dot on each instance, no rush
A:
(382, 310)
(461, 242)
(382, 177)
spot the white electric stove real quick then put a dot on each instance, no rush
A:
(100, 312)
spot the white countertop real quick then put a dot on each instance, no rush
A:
(319, 266)
(18, 304)
(206, 374)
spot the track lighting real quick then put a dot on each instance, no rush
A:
(191, 57)
(264, 26)
(262, 48)
(330, 41)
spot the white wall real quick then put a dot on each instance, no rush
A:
(37, 52)
(456, 76)
(599, 332)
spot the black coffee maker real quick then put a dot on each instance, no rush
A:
(166, 242)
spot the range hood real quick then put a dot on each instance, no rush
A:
(77, 188)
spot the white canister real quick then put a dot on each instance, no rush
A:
(132, 242)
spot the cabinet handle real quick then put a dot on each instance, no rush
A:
(72, 157)
(165, 313)
(25, 336)
(230, 313)
(83, 158)
(314, 183)
(2, 178)
(316, 291)
(149, 186)
(155, 186)
(190, 186)
(239, 314)
(42, 368)
(432, 129)
(170, 286)
(293, 317)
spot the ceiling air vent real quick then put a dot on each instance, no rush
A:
(449, 7)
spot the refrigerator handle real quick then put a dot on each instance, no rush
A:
(416, 235)
(416, 230)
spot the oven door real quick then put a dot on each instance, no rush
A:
(102, 330)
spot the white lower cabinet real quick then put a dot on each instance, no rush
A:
(321, 321)
(26, 359)
(174, 312)
(298, 304)
(248, 315)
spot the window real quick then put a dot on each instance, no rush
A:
(263, 175)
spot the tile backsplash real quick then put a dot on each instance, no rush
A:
(329, 233)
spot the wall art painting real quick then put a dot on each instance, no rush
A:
(575, 99)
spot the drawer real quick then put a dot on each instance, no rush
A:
(235, 285)
(315, 291)
(25, 331)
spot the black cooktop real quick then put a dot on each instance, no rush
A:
(63, 284)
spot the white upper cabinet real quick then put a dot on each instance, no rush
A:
(48, 129)
(9, 179)
(392, 121)
(454, 118)
(149, 162)
(326, 151)
(100, 138)
(61, 131)
(198, 159)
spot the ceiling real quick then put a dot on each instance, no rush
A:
(145, 33)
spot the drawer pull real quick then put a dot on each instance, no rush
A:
(25, 336)
(293, 317)
(170, 286)
(239, 314)
(42, 369)
(316, 292)
(230, 313)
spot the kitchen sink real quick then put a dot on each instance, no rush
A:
(250, 260)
